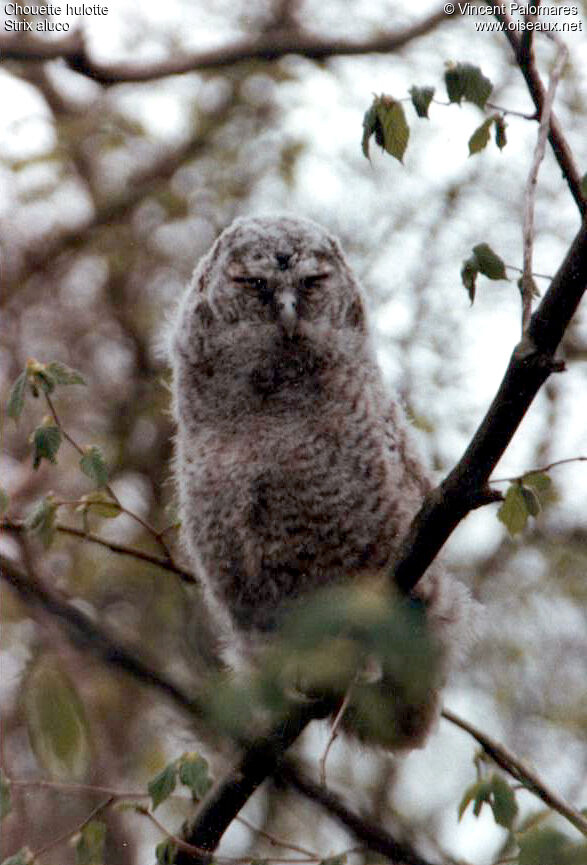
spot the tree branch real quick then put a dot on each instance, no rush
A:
(522, 48)
(375, 838)
(18, 526)
(82, 631)
(522, 773)
(260, 760)
(532, 362)
(264, 48)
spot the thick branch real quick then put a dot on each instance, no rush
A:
(265, 48)
(522, 49)
(532, 361)
(375, 838)
(260, 760)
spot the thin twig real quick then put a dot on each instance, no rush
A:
(121, 549)
(521, 772)
(531, 183)
(559, 144)
(78, 828)
(542, 470)
(277, 842)
(264, 49)
(334, 731)
(142, 522)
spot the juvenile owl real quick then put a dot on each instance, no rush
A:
(295, 468)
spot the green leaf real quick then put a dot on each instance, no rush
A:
(166, 852)
(163, 784)
(370, 126)
(46, 442)
(89, 849)
(394, 127)
(4, 501)
(503, 802)
(101, 504)
(41, 519)
(94, 466)
(547, 846)
(421, 99)
(335, 860)
(385, 119)
(540, 483)
(465, 81)
(584, 185)
(5, 799)
(16, 398)
(530, 500)
(63, 374)
(56, 721)
(514, 512)
(477, 793)
(194, 773)
(469, 273)
(500, 128)
(489, 262)
(480, 137)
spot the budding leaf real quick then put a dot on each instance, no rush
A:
(480, 137)
(89, 849)
(514, 511)
(469, 272)
(193, 772)
(46, 442)
(500, 136)
(94, 466)
(489, 263)
(16, 398)
(421, 99)
(386, 120)
(465, 81)
(163, 784)
(41, 520)
(101, 504)
(63, 374)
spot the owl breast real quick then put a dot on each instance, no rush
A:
(295, 498)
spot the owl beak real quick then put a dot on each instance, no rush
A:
(287, 312)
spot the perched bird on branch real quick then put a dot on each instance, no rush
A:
(296, 469)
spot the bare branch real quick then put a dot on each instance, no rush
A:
(558, 142)
(84, 633)
(372, 836)
(520, 771)
(532, 362)
(18, 527)
(531, 183)
(265, 48)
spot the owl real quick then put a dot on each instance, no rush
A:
(295, 468)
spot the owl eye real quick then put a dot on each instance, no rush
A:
(257, 284)
(312, 281)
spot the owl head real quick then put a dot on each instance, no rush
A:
(281, 271)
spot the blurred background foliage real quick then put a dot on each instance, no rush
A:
(109, 196)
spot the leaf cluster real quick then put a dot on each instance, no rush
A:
(386, 121)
